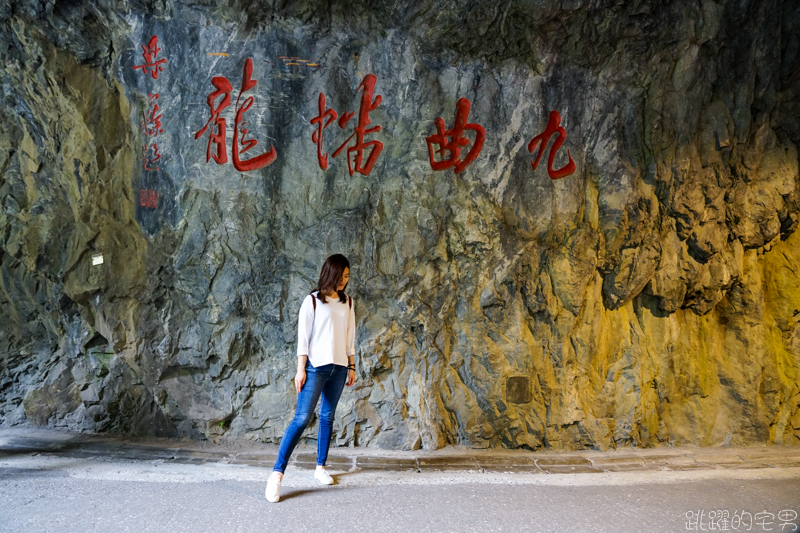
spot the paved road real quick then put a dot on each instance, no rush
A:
(89, 495)
(61, 482)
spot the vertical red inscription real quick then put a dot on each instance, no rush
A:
(374, 148)
(150, 123)
(218, 125)
(148, 198)
(152, 65)
(553, 128)
(451, 141)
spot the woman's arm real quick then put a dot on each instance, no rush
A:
(305, 324)
(351, 344)
(300, 376)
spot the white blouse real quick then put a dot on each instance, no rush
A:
(328, 334)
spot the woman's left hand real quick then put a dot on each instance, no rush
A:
(351, 377)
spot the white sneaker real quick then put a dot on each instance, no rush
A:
(273, 491)
(323, 476)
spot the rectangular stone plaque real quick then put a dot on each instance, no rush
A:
(518, 389)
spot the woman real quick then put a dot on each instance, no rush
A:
(325, 349)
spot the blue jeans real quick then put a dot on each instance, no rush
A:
(329, 381)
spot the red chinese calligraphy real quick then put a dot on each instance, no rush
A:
(150, 125)
(217, 135)
(260, 161)
(151, 120)
(316, 137)
(150, 156)
(149, 52)
(553, 128)
(456, 141)
(148, 198)
(355, 163)
(218, 125)
(367, 86)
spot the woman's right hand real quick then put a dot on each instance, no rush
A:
(300, 379)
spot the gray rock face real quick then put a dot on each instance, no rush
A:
(648, 298)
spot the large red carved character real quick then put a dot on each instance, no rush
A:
(456, 141)
(316, 137)
(368, 104)
(267, 157)
(553, 128)
(219, 125)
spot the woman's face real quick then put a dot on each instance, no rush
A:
(344, 280)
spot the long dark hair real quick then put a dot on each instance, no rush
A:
(331, 274)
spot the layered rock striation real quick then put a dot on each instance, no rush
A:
(650, 298)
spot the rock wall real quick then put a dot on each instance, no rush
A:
(650, 298)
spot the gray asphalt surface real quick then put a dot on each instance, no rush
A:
(42, 494)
